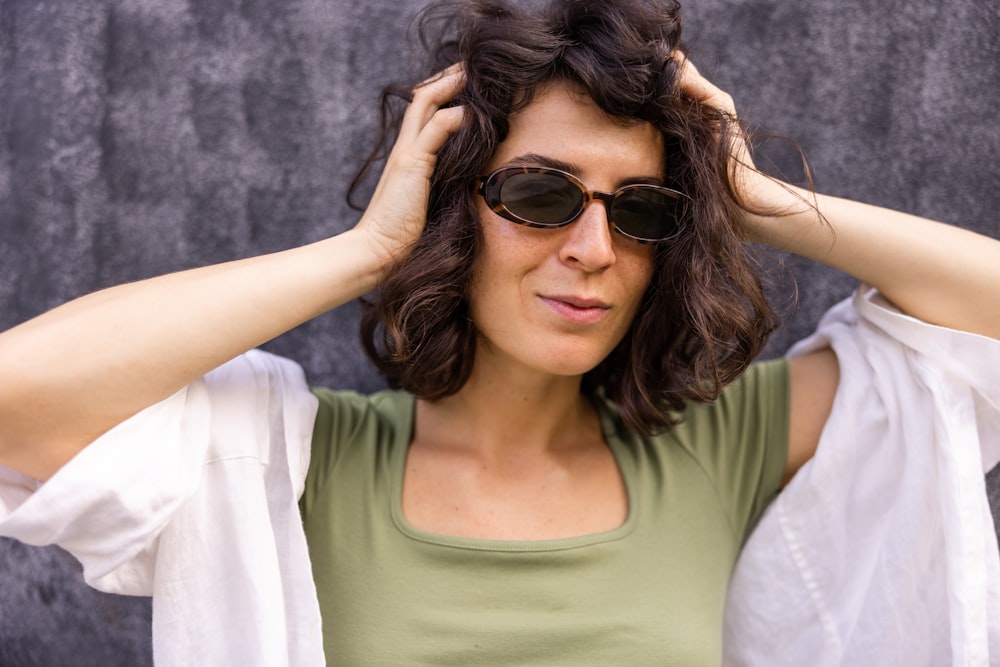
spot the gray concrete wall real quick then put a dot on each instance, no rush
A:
(143, 136)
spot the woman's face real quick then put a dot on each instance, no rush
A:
(557, 301)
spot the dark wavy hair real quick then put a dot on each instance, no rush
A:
(704, 316)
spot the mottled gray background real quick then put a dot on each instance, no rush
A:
(143, 136)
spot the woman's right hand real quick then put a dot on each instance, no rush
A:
(398, 210)
(76, 371)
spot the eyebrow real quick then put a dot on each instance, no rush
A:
(536, 160)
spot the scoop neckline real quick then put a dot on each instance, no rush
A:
(398, 467)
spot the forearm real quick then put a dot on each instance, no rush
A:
(939, 273)
(78, 370)
(75, 372)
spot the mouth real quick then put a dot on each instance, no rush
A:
(575, 309)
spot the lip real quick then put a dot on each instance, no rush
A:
(579, 310)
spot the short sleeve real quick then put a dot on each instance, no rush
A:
(342, 417)
(741, 441)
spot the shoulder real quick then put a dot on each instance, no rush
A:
(355, 429)
(758, 399)
(344, 412)
(737, 445)
(747, 424)
(255, 385)
(256, 366)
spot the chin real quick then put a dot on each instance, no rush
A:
(571, 363)
(551, 353)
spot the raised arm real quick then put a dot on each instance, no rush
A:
(74, 372)
(939, 273)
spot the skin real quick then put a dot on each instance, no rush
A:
(510, 468)
(518, 452)
(136, 344)
(935, 272)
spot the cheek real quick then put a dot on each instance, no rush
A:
(508, 250)
(641, 266)
(635, 284)
(495, 268)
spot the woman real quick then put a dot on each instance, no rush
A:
(556, 351)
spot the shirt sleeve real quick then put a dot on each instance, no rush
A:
(741, 441)
(881, 550)
(339, 418)
(194, 501)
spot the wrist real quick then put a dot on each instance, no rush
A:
(774, 210)
(358, 259)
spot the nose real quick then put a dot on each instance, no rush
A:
(588, 243)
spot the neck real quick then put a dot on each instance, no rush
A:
(503, 411)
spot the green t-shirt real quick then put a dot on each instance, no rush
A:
(650, 592)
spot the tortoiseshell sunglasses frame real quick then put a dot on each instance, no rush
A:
(489, 186)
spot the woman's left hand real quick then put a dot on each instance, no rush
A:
(939, 273)
(757, 191)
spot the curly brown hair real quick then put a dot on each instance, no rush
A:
(704, 316)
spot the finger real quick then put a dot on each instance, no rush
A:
(419, 156)
(442, 124)
(455, 69)
(429, 96)
(696, 87)
(693, 84)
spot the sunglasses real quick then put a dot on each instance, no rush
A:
(543, 197)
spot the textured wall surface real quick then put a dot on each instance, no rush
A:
(143, 136)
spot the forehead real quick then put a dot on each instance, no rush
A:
(563, 123)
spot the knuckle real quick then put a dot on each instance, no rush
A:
(419, 90)
(442, 116)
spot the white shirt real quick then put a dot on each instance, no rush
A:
(195, 502)
(881, 551)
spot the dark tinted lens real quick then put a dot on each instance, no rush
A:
(545, 199)
(647, 213)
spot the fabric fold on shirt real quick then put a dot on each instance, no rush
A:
(195, 502)
(881, 551)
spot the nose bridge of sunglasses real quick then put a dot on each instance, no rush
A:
(605, 198)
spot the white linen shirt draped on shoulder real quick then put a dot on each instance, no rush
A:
(195, 502)
(881, 551)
